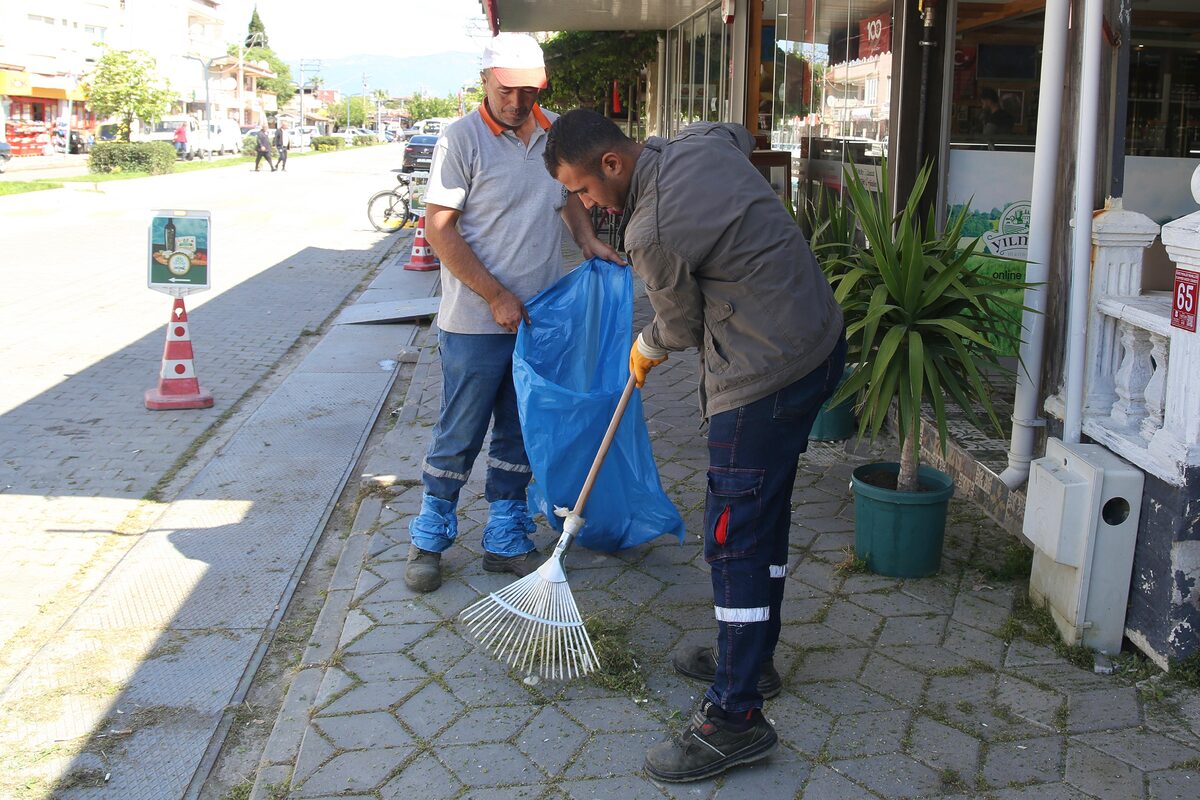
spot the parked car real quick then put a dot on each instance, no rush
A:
(5, 154)
(164, 131)
(418, 153)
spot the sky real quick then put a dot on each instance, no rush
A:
(365, 27)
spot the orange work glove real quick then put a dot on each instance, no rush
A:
(640, 363)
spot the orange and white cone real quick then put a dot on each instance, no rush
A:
(178, 386)
(422, 259)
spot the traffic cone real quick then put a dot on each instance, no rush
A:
(178, 386)
(422, 258)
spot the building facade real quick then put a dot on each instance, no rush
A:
(992, 93)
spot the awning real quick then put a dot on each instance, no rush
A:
(587, 15)
(31, 84)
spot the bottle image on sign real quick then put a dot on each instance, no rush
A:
(169, 235)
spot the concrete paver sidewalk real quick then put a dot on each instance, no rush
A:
(892, 688)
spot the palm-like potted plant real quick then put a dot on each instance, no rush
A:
(922, 327)
(833, 234)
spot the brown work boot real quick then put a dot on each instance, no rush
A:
(520, 565)
(424, 570)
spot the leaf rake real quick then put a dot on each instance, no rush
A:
(533, 624)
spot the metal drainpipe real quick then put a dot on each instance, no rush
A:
(1025, 416)
(1085, 190)
(927, 42)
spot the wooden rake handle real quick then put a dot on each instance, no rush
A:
(613, 424)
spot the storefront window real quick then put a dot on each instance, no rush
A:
(698, 57)
(825, 87)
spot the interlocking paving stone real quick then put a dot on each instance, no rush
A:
(843, 697)
(970, 609)
(611, 754)
(1174, 784)
(780, 774)
(359, 731)
(425, 778)
(1037, 760)
(868, 734)
(1102, 709)
(913, 630)
(607, 788)
(974, 644)
(610, 714)
(801, 726)
(943, 747)
(429, 710)
(388, 638)
(492, 724)
(893, 679)
(551, 739)
(382, 667)
(1045, 791)
(354, 771)
(1102, 775)
(315, 750)
(893, 604)
(831, 665)
(1028, 701)
(851, 620)
(891, 775)
(1143, 749)
(490, 765)
(372, 696)
(825, 784)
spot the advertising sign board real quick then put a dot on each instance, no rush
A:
(179, 252)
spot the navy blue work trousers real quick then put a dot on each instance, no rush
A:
(753, 453)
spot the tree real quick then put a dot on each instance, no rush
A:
(281, 85)
(361, 110)
(582, 65)
(424, 106)
(126, 84)
(256, 26)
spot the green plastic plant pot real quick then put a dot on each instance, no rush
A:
(834, 424)
(900, 534)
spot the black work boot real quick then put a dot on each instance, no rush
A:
(701, 663)
(424, 570)
(711, 743)
(520, 565)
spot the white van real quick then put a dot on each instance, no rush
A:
(224, 136)
(164, 131)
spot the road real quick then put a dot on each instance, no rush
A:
(83, 339)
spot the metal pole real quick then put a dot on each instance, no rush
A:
(1043, 214)
(1085, 188)
(301, 101)
(241, 81)
(207, 111)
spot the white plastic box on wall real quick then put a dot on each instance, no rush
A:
(1082, 516)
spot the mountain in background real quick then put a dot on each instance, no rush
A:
(438, 74)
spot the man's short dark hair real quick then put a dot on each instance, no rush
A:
(988, 93)
(580, 138)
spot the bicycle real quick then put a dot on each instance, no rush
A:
(390, 210)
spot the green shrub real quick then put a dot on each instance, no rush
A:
(156, 158)
(364, 141)
(322, 143)
(249, 144)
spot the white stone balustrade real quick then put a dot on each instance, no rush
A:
(1143, 384)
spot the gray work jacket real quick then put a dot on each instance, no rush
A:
(726, 267)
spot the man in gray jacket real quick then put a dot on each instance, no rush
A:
(727, 271)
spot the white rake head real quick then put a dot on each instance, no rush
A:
(533, 625)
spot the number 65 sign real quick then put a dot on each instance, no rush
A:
(1183, 299)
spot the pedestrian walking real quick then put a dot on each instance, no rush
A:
(493, 216)
(181, 140)
(727, 271)
(283, 142)
(262, 148)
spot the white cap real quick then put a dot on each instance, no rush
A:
(516, 60)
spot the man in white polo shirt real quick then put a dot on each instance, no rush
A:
(493, 216)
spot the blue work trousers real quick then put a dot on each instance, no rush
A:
(477, 388)
(753, 453)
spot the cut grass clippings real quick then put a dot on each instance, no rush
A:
(851, 564)
(619, 667)
(1034, 624)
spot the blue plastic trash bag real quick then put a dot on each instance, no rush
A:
(570, 366)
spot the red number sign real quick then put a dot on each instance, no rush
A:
(1183, 299)
(875, 36)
